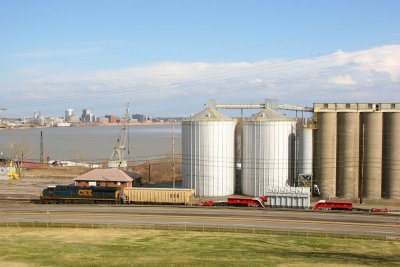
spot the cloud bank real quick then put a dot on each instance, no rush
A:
(175, 88)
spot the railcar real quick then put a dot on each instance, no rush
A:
(179, 196)
(80, 194)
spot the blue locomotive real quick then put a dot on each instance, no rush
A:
(80, 194)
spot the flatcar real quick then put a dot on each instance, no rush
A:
(80, 194)
(333, 205)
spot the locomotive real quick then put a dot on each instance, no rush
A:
(80, 194)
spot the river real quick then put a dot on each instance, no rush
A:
(95, 143)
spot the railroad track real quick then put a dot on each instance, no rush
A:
(18, 199)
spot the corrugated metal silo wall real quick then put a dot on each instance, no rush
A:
(391, 156)
(371, 161)
(325, 153)
(208, 157)
(268, 149)
(305, 151)
(348, 154)
(238, 157)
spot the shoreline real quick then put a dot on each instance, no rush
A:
(93, 125)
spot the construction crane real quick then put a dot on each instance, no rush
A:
(117, 157)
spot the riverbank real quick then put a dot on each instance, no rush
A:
(90, 125)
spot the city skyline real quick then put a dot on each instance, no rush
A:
(168, 58)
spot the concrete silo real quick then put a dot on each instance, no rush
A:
(348, 154)
(325, 142)
(208, 141)
(268, 145)
(391, 155)
(371, 154)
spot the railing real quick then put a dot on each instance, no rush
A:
(304, 233)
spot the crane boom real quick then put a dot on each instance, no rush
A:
(117, 157)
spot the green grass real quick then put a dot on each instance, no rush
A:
(146, 247)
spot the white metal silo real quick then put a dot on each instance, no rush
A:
(305, 151)
(208, 142)
(268, 152)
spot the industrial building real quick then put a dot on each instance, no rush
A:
(106, 177)
(345, 150)
(357, 150)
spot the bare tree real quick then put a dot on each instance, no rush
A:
(18, 152)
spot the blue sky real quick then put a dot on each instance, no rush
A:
(170, 57)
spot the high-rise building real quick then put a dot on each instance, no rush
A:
(68, 114)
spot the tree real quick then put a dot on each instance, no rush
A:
(18, 152)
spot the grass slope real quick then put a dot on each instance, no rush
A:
(124, 247)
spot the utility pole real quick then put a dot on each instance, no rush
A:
(362, 165)
(128, 119)
(149, 172)
(41, 147)
(173, 155)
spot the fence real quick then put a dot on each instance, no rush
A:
(304, 233)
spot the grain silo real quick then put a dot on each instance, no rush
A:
(268, 145)
(371, 154)
(325, 153)
(391, 155)
(348, 154)
(305, 151)
(208, 142)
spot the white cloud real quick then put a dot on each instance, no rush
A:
(53, 53)
(370, 75)
(342, 80)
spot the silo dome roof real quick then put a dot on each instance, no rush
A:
(269, 115)
(209, 114)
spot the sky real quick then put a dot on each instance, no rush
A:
(170, 57)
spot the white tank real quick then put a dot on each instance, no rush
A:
(305, 151)
(208, 142)
(268, 152)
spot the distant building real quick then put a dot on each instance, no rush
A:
(85, 112)
(68, 114)
(38, 119)
(113, 118)
(106, 177)
(74, 119)
(139, 117)
(88, 116)
(103, 120)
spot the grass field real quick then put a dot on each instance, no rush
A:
(128, 247)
